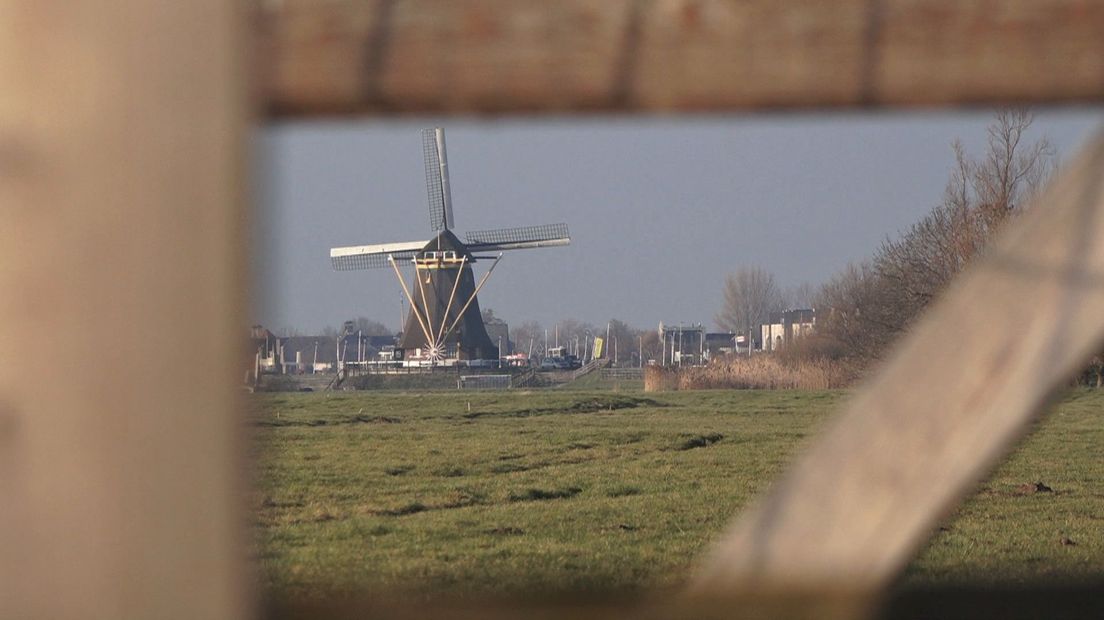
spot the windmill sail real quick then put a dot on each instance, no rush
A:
(374, 256)
(437, 180)
(518, 238)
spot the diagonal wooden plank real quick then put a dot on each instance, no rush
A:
(122, 150)
(323, 57)
(950, 402)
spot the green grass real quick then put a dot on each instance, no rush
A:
(1011, 534)
(475, 494)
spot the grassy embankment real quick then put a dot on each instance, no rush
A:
(475, 494)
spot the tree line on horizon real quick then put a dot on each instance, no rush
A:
(868, 305)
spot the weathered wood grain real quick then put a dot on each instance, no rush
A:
(951, 401)
(122, 131)
(322, 57)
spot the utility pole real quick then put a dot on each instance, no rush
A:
(679, 346)
(749, 339)
(701, 340)
(607, 335)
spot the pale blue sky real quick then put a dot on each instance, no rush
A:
(659, 209)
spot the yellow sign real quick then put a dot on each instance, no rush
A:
(597, 347)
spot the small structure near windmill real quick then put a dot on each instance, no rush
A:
(683, 345)
(445, 323)
(785, 327)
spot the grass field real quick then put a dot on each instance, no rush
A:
(465, 494)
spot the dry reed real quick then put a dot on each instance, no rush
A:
(764, 372)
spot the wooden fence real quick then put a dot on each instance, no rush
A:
(124, 160)
(630, 374)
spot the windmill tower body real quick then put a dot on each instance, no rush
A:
(445, 322)
(443, 276)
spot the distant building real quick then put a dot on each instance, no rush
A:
(308, 354)
(683, 345)
(265, 344)
(784, 327)
(719, 343)
(313, 354)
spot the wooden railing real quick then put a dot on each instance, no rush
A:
(528, 378)
(588, 368)
(623, 373)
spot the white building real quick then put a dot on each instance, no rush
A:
(785, 326)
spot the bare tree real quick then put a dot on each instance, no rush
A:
(649, 346)
(799, 296)
(574, 334)
(367, 327)
(855, 314)
(1010, 170)
(750, 296)
(980, 196)
(867, 305)
(528, 333)
(623, 342)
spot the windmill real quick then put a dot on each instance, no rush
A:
(445, 321)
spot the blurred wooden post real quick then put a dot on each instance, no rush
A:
(122, 168)
(958, 392)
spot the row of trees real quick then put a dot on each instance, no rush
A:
(364, 325)
(869, 304)
(872, 303)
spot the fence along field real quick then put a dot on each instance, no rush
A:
(402, 495)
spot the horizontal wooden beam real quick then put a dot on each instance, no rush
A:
(324, 57)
